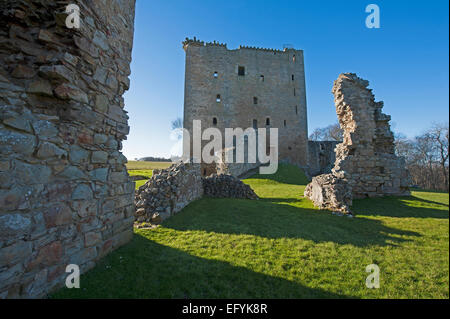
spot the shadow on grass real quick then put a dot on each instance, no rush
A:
(405, 206)
(266, 218)
(145, 269)
(286, 174)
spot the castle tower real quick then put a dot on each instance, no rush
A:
(248, 87)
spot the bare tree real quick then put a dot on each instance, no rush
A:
(427, 157)
(439, 134)
(316, 135)
(331, 132)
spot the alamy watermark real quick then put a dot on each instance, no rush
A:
(241, 146)
(73, 280)
(373, 19)
(373, 280)
(73, 16)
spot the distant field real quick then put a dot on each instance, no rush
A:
(132, 165)
(144, 170)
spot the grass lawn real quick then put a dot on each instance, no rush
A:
(136, 165)
(282, 247)
(144, 170)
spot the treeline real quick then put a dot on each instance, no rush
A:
(426, 157)
(154, 159)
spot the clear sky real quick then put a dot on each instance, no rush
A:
(406, 60)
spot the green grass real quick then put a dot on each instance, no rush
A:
(282, 247)
(136, 165)
(144, 170)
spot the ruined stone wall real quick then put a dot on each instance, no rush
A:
(274, 77)
(65, 195)
(321, 157)
(167, 192)
(366, 157)
(366, 164)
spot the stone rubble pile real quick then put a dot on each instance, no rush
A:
(328, 192)
(366, 159)
(227, 186)
(167, 192)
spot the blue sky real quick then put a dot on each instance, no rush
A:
(406, 60)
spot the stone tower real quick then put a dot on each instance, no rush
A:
(248, 87)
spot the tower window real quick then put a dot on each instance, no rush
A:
(215, 74)
(293, 58)
(214, 121)
(255, 124)
(255, 100)
(292, 77)
(241, 70)
(267, 121)
(261, 77)
(284, 123)
(296, 109)
(218, 98)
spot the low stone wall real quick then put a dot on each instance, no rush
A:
(235, 169)
(227, 186)
(173, 188)
(168, 192)
(321, 157)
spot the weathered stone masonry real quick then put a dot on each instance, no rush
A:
(65, 195)
(366, 164)
(248, 87)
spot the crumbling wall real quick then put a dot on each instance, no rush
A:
(167, 192)
(366, 159)
(65, 195)
(173, 188)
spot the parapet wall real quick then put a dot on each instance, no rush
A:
(65, 195)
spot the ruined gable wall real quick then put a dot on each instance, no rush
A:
(65, 195)
(366, 158)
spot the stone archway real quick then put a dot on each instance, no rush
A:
(65, 195)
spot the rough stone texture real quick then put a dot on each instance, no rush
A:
(234, 169)
(321, 157)
(274, 77)
(65, 195)
(168, 192)
(228, 186)
(171, 189)
(328, 192)
(366, 158)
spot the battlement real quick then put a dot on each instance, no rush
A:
(195, 42)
